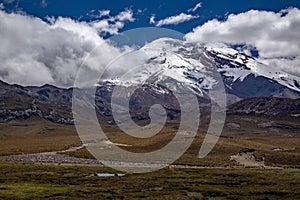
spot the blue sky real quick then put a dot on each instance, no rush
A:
(142, 10)
(53, 37)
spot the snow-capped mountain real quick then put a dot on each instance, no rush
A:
(200, 68)
(245, 77)
(160, 68)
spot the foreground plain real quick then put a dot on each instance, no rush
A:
(215, 178)
(53, 181)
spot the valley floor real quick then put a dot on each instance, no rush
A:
(38, 161)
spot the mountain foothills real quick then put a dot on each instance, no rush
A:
(252, 88)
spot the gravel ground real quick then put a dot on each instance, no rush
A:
(49, 157)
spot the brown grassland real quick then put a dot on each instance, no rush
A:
(219, 179)
(35, 135)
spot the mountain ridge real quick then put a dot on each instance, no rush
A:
(19, 102)
(184, 65)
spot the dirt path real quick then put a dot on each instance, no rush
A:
(56, 157)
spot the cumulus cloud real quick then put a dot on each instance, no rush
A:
(125, 15)
(275, 35)
(152, 19)
(176, 19)
(35, 52)
(290, 65)
(112, 24)
(103, 13)
(196, 7)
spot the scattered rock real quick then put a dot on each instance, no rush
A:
(195, 195)
(272, 124)
(277, 149)
(247, 158)
(233, 125)
(268, 106)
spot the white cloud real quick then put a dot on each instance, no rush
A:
(125, 15)
(177, 19)
(112, 24)
(98, 14)
(290, 65)
(103, 13)
(274, 35)
(1, 6)
(105, 26)
(35, 52)
(196, 7)
(152, 19)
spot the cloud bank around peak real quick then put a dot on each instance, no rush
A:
(275, 35)
(35, 51)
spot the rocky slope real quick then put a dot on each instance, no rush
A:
(269, 106)
(54, 104)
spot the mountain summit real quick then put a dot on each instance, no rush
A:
(200, 66)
